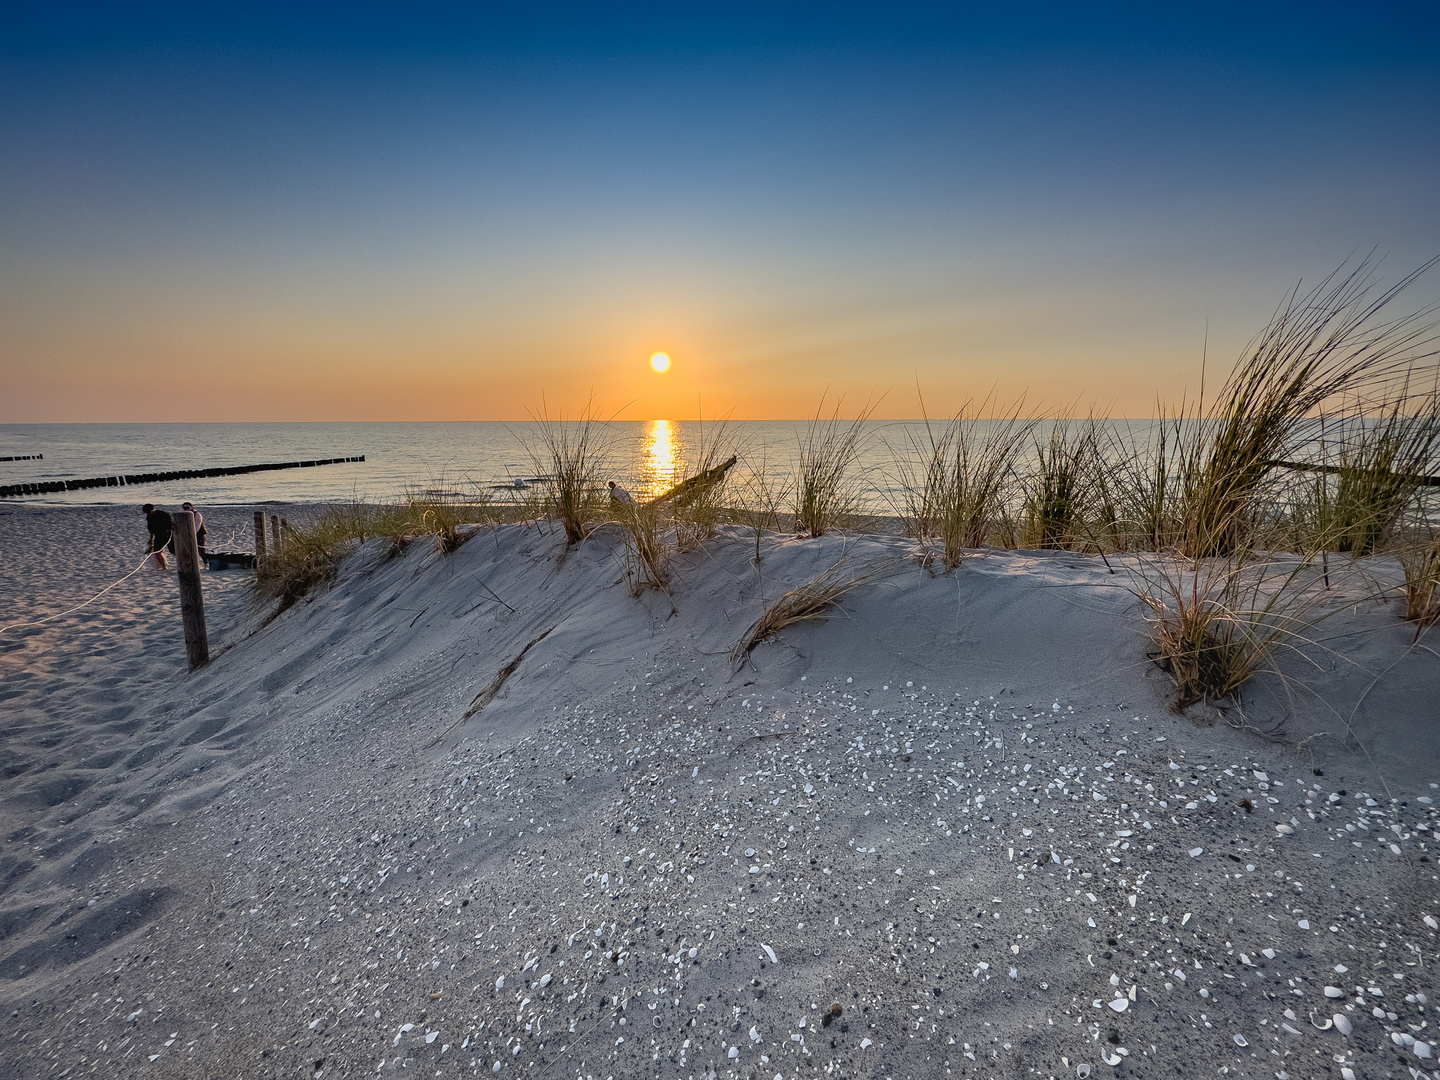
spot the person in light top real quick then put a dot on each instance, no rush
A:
(619, 495)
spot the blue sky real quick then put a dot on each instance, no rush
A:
(443, 212)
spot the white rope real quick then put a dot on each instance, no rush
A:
(77, 607)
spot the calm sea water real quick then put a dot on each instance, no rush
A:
(400, 458)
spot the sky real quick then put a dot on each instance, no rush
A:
(482, 212)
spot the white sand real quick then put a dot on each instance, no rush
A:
(301, 861)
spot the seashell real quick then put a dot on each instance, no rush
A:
(1399, 1037)
(1269, 954)
(1326, 1026)
(1347, 1073)
(1334, 992)
(865, 1043)
(1430, 922)
(1082, 1071)
(1284, 830)
(1304, 924)
(1196, 852)
(770, 953)
(1342, 1023)
(1108, 1058)
(734, 1052)
(1240, 1040)
(1119, 1004)
(1422, 1050)
(500, 983)
(754, 1034)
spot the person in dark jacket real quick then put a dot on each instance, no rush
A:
(200, 532)
(161, 539)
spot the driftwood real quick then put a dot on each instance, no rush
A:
(695, 485)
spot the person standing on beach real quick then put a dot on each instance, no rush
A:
(158, 522)
(199, 526)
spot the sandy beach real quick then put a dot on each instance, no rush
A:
(952, 830)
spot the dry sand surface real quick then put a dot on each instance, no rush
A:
(952, 831)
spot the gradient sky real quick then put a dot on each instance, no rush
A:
(243, 212)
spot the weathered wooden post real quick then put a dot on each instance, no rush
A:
(276, 541)
(192, 604)
(259, 536)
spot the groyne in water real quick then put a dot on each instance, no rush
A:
(45, 487)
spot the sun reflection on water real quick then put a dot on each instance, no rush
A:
(659, 457)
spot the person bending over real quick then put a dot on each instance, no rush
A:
(161, 539)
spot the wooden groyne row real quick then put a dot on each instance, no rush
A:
(47, 486)
(24, 457)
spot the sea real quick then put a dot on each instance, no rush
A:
(449, 460)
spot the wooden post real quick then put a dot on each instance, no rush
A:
(276, 541)
(259, 536)
(192, 604)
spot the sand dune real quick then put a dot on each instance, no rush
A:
(952, 830)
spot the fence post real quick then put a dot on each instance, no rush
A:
(276, 541)
(259, 536)
(192, 604)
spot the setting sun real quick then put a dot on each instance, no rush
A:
(660, 362)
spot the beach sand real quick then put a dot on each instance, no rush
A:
(956, 819)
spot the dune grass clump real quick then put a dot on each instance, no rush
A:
(1216, 622)
(1060, 488)
(1420, 561)
(826, 488)
(1328, 343)
(572, 455)
(761, 495)
(310, 555)
(646, 545)
(697, 504)
(804, 602)
(962, 484)
(1380, 474)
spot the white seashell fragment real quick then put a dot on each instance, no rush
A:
(1304, 924)
(1284, 830)
(1082, 1071)
(770, 953)
(1347, 1073)
(1321, 1027)
(1422, 1050)
(1108, 1058)
(1240, 1040)
(865, 1043)
(1334, 992)
(754, 1034)
(1430, 922)
(1342, 1023)
(500, 983)
(545, 979)
(1269, 954)
(1119, 1003)
(1196, 852)
(734, 1053)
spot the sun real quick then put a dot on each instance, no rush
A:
(660, 362)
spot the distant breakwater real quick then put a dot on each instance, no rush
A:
(47, 486)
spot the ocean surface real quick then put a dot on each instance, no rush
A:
(457, 460)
